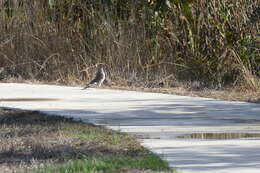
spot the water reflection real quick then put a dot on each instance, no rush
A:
(222, 136)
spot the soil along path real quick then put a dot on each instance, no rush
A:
(192, 134)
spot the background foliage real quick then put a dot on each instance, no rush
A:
(149, 43)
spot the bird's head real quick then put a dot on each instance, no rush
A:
(101, 67)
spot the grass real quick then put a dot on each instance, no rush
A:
(33, 142)
(113, 163)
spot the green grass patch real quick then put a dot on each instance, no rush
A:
(113, 164)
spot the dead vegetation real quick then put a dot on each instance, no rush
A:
(147, 44)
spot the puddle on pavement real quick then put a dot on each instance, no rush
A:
(26, 99)
(220, 136)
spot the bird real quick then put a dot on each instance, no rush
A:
(99, 78)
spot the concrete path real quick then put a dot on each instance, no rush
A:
(157, 119)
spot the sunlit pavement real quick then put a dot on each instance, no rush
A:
(158, 120)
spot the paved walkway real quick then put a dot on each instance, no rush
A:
(157, 119)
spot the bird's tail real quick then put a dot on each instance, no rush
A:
(87, 86)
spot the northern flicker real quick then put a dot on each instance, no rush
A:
(99, 78)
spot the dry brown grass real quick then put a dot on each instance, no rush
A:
(211, 41)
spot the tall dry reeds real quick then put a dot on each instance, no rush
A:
(145, 43)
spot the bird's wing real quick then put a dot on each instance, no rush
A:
(97, 78)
